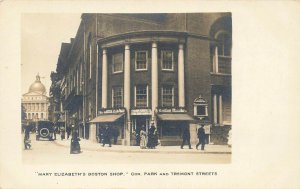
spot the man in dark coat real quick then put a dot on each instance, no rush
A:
(68, 130)
(201, 137)
(106, 136)
(115, 135)
(186, 137)
(75, 146)
(26, 137)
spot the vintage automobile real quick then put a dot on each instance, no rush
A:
(44, 130)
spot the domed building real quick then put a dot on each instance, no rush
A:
(35, 101)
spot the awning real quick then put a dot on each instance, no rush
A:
(106, 118)
(175, 117)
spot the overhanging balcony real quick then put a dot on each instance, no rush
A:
(73, 100)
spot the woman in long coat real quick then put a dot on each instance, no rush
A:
(143, 137)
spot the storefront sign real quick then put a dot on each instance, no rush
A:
(141, 112)
(171, 110)
(207, 129)
(111, 111)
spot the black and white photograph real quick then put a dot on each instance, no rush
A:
(149, 94)
(144, 85)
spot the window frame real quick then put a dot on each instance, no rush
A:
(113, 63)
(221, 37)
(196, 110)
(135, 96)
(90, 60)
(112, 97)
(162, 96)
(162, 60)
(135, 60)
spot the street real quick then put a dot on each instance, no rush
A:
(49, 152)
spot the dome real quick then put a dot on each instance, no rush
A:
(37, 86)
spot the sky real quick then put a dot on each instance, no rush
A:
(41, 38)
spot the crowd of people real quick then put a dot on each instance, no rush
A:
(146, 139)
(106, 134)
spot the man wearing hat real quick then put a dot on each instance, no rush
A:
(201, 137)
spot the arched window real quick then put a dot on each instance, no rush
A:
(222, 56)
(224, 44)
(29, 116)
(200, 107)
(37, 116)
(42, 116)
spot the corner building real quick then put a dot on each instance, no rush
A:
(132, 70)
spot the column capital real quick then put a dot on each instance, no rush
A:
(127, 46)
(180, 46)
(154, 44)
(104, 51)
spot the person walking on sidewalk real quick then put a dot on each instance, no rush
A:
(143, 138)
(201, 137)
(186, 137)
(75, 146)
(106, 136)
(26, 137)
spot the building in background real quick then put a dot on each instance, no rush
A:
(127, 71)
(35, 102)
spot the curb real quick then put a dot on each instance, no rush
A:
(143, 151)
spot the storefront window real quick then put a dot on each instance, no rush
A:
(167, 96)
(171, 128)
(117, 94)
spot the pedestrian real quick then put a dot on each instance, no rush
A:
(68, 130)
(115, 135)
(186, 137)
(62, 133)
(107, 136)
(27, 144)
(75, 146)
(143, 138)
(137, 137)
(201, 137)
(54, 131)
(229, 141)
(151, 137)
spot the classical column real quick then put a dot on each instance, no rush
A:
(127, 91)
(181, 97)
(216, 65)
(215, 109)
(127, 78)
(220, 110)
(154, 80)
(104, 79)
(97, 79)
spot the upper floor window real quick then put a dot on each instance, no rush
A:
(117, 97)
(89, 55)
(167, 58)
(141, 96)
(117, 60)
(224, 45)
(167, 96)
(141, 58)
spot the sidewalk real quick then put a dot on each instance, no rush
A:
(93, 146)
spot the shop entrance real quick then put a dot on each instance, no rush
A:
(137, 123)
